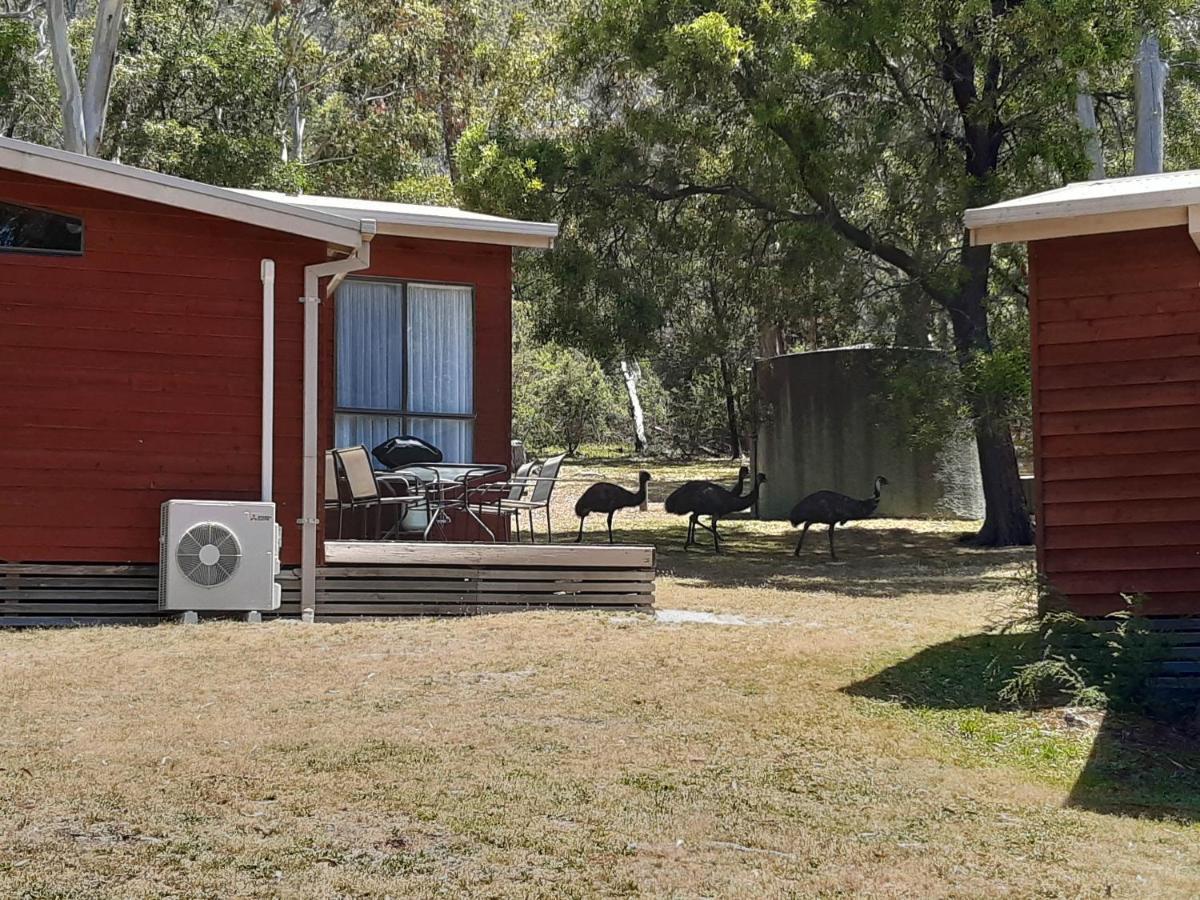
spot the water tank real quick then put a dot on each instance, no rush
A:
(825, 424)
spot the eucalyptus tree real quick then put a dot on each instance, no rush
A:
(875, 120)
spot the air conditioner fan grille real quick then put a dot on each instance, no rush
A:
(208, 554)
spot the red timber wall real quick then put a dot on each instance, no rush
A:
(131, 374)
(1116, 352)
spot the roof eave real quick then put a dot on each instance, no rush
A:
(538, 239)
(998, 226)
(58, 165)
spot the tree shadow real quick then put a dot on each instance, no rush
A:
(877, 562)
(1136, 767)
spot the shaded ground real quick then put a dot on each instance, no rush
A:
(844, 743)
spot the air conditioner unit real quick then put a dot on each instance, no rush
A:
(218, 555)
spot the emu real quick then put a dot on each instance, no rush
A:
(716, 503)
(606, 497)
(831, 508)
(682, 500)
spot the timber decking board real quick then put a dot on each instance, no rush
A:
(46, 593)
(423, 553)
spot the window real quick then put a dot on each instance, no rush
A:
(24, 229)
(406, 364)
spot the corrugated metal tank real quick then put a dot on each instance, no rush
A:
(824, 425)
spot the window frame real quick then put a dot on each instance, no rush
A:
(404, 412)
(45, 251)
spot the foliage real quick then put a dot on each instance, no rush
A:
(834, 148)
(723, 170)
(1106, 663)
(561, 398)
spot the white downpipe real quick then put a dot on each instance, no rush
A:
(336, 270)
(267, 272)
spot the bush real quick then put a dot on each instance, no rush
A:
(1090, 663)
(562, 398)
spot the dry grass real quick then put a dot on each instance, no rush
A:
(841, 745)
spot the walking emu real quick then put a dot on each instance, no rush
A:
(831, 508)
(682, 500)
(606, 497)
(716, 503)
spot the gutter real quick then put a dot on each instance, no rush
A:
(336, 270)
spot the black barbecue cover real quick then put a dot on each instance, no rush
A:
(405, 449)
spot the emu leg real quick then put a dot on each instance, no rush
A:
(610, 540)
(691, 535)
(579, 539)
(716, 537)
(800, 543)
(832, 555)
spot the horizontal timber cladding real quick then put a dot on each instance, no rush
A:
(43, 594)
(1115, 320)
(131, 374)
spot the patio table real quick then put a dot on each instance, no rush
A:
(449, 484)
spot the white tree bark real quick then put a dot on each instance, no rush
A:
(1085, 111)
(632, 372)
(83, 111)
(296, 119)
(1150, 76)
(70, 98)
(100, 71)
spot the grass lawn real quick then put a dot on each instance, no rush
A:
(840, 740)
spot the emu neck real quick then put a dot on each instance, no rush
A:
(749, 500)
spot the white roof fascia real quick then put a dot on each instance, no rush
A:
(1089, 207)
(433, 222)
(130, 181)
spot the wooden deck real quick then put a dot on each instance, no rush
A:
(417, 578)
(359, 580)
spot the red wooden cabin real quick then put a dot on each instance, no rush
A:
(132, 347)
(1114, 275)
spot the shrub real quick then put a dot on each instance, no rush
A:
(562, 398)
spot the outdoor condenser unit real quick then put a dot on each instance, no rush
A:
(218, 555)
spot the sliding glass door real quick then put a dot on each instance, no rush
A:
(405, 364)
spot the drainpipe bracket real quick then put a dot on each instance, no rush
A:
(310, 300)
(303, 521)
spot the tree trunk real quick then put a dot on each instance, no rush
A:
(631, 370)
(770, 341)
(915, 319)
(1085, 111)
(1006, 520)
(296, 119)
(735, 441)
(69, 97)
(1149, 77)
(100, 71)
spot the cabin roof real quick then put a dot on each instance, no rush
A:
(413, 220)
(1090, 207)
(336, 220)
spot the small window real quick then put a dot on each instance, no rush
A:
(24, 229)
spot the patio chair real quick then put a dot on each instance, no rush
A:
(539, 496)
(333, 498)
(516, 489)
(360, 491)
